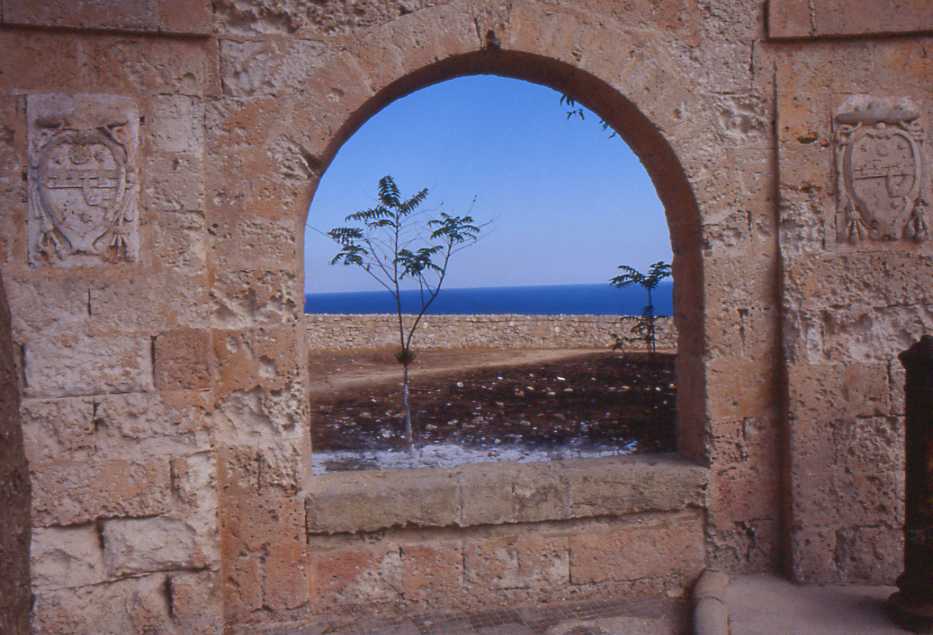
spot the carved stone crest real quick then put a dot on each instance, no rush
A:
(83, 181)
(881, 184)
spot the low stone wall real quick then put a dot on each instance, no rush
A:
(500, 535)
(349, 331)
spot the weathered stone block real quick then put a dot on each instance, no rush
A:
(144, 425)
(655, 546)
(242, 586)
(194, 483)
(182, 360)
(56, 429)
(870, 279)
(269, 66)
(355, 574)
(135, 605)
(196, 602)
(149, 305)
(368, 501)
(847, 472)
(432, 571)
(246, 299)
(156, 66)
(21, 49)
(838, 18)
(74, 365)
(250, 242)
(752, 546)
(868, 469)
(253, 516)
(495, 494)
(743, 493)
(143, 545)
(486, 493)
(65, 557)
(828, 391)
(129, 15)
(813, 555)
(872, 335)
(69, 492)
(180, 243)
(266, 358)
(173, 183)
(187, 17)
(789, 18)
(45, 306)
(737, 388)
(175, 124)
(267, 425)
(194, 486)
(286, 579)
(521, 561)
(870, 555)
(611, 487)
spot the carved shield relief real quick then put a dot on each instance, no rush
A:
(82, 179)
(881, 188)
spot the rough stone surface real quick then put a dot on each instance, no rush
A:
(72, 492)
(140, 15)
(71, 365)
(638, 550)
(501, 566)
(64, 557)
(142, 545)
(182, 360)
(850, 305)
(834, 18)
(339, 332)
(167, 16)
(165, 389)
(484, 494)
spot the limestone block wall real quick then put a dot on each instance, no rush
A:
(500, 535)
(853, 119)
(15, 584)
(340, 332)
(157, 159)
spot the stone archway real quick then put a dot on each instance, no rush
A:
(646, 140)
(288, 108)
(642, 125)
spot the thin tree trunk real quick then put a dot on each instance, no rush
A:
(406, 404)
(651, 322)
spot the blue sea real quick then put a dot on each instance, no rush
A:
(567, 299)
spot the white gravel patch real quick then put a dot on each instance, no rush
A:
(449, 455)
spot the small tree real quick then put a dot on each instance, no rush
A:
(392, 243)
(573, 110)
(646, 326)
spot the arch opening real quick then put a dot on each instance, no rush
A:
(645, 140)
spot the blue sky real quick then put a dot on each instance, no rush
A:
(566, 203)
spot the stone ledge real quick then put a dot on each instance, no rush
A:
(506, 493)
(175, 17)
(808, 19)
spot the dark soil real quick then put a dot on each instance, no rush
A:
(593, 400)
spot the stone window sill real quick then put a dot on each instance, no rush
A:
(502, 493)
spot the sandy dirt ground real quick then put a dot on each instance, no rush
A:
(471, 406)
